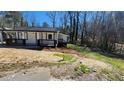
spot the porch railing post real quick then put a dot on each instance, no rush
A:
(1, 37)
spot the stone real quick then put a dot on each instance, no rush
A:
(94, 70)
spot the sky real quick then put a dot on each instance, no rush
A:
(38, 16)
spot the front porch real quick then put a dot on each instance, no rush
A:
(41, 39)
(39, 42)
(44, 42)
(15, 41)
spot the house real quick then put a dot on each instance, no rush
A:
(35, 36)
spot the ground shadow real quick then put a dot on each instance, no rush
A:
(29, 47)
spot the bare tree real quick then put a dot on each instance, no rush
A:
(77, 25)
(33, 23)
(84, 29)
(70, 13)
(52, 16)
(63, 22)
(45, 24)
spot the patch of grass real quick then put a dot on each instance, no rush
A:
(82, 69)
(115, 62)
(66, 58)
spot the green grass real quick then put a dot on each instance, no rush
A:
(66, 58)
(82, 68)
(115, 62)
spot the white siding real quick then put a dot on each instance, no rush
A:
(38, 35)
(47, 33)
(16, 34)
(44, 35)
(56, 37)
(31, 38)
(23, 35)
(63, 37)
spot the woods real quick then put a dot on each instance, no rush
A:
(99, 30)
(12, 19)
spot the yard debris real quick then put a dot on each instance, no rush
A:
(94, 70)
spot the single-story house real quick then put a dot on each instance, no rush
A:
(37, 36)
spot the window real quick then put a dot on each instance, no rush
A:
(50, 36)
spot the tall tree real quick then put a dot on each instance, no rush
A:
(11, 18)
(14, 17)
(77, 25)
(70, 13)
(84, 29)
(33, 23)
(52, 16)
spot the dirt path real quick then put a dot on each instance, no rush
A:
(11, 55)
(68, 72)
(87, 61)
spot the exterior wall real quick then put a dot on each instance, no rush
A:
(44, 41)
(21, 35)
(39, 35)
(44, 35)
(31, 38)
(55, 36)
(63, 37)
(16, 34)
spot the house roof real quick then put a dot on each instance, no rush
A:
(32, 29)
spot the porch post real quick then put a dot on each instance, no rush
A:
(54, 35)
(57, 37)
(55, 41)
(1, 37)
(46, 35)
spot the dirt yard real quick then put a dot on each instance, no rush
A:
(24, 64)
